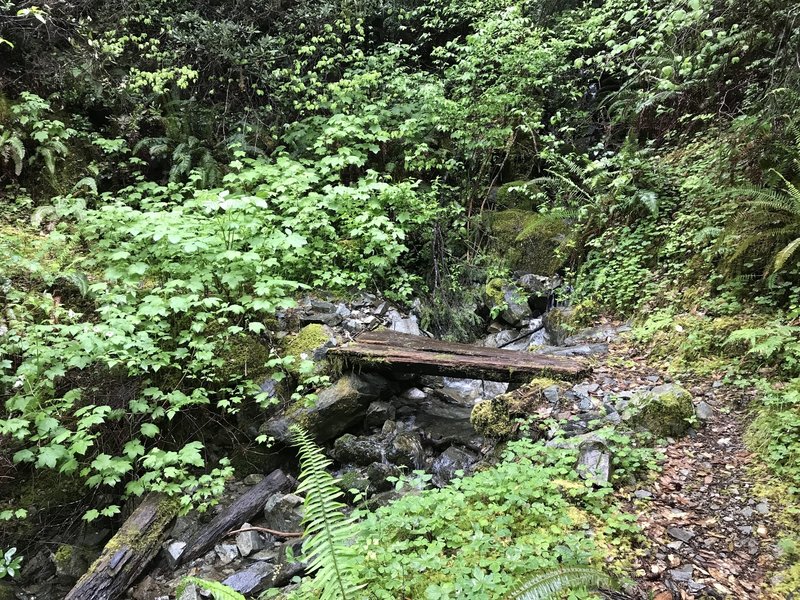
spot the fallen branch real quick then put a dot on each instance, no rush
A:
(275, 532)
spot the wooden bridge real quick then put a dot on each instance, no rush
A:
(385, 350)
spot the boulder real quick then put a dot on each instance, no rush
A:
(336, 409)
(378, 474)
(529, 240)
(402, 324)
(540, 290)
(378, 413)
(252, 580)
(310, 343)
(594, 462)
(406, 451)
(444, 424)
(284, 512)
(497, 417)
(71, 562)
(665, 410)
(451, 460)
(249, 541)
(508, 301)
(359, 450)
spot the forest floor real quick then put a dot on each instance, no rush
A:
(709, 532)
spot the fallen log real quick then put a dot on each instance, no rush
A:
(128, 553)
(242, 509)
(392, 351)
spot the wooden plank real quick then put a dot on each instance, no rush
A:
(128, 553)
(242, 509)
(389, 350)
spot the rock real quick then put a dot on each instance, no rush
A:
(252, 580)
(643, 494)
(552, 394)
(172, 552)
(190, 592)
(466, 391)
(509, 300)
(354, 325)
(359, 450)
(287, 565)
(414, 394)
(444, 424)
(451, 460)
(70, 562)
(248, 541)
(39, 567)
(284, 512)
(683, 573)
(665, 410)
(556, 323)
(704, 411)
(762, 508)
(227, 553)
(402, 324)
(497, 417)
(336, 409)
(252, 479)
(378, 474)
(378, 413)
(540, 290)
(406, 451)
(594, 462)
(528, 239)
(310, 343)
(501, 338)
(684, 535)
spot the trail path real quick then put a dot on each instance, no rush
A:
(709, 534)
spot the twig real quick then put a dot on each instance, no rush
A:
(284, 534)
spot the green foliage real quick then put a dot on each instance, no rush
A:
(10, 564)
(549, 584)
(217, 590)
(327, 530)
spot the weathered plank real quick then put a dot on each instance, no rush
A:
(242, 509)
(393, 351)
(127, 553)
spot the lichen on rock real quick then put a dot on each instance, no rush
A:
(666, 410)
(497, 417)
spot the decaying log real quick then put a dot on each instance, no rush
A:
(242, 509)
(128, 553)
(392, 351)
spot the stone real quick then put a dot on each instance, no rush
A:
(682, 573)
(402, 324)
(287, 566)
(497, 417)
(190, 592)
(762, 508)
(70, 562)
(594, 462)
(556, 323)
(704, 411)
(359, 450)
(406, 451)
(378, 413)
(252, 580)
(336, 409)
(501, 338)
(252, 479)
(528, 239)
(552, 394)
(414, 394)
(173, 550)
(451, 460)
(665, 410)
(378, 474)
(248, 541)
(39, 567)
(227, 553)
(310, 343)
(284, 512)
(509, 300)
(679, 533)
(267, 555)
(444, 424)
(643, 494)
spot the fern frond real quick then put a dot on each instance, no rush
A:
(328, 531)
(79, 280)
(547, 584)
(785, 254)
(217, 590)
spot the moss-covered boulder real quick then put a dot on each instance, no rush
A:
(498, 417)
(666, 410)
(509, 300)
(336, 409)
(529, 241)
(518, 194)
(310, 343)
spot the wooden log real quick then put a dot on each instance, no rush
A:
(128, 553)
(390, 351)
(242, 509)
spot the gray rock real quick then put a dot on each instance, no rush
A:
(267, 555)
(359, 450)
(38, 568)
(643, 494)
(337, 408)
(585, 404)
(704, 411)
(584, 389)
(252, 580)
(354, 325)
(402, 324)
(679, 533)
(444, 424)
(227, 553)
(594, 462)
(378, 413)
(451, 460)
(378, 474)
(682, 573)
(248, 541)
(173, 551)
(414, 394)
(501, 338)
(539, 285)
(253, 479)
(665, 410)
(762, 508)
(552, 394)
(406, 451)
(287, 564)
(284, 512)
(190, 592)
(71, 562)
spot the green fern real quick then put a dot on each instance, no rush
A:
(549, 583)
(328, 531)
(12, 148)
(218, 591)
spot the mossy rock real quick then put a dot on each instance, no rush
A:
(529, 240)
(497, 417)
(310, 343)
(518, 194)
(666, 410)
(244, 357)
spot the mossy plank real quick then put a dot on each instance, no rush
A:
(129, 552)
(398, 351)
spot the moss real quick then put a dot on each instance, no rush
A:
(303, 345)
(666, 410)
(497, 417)
(528, 240)
(244, 357)
(494, 291)
(518, 194)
